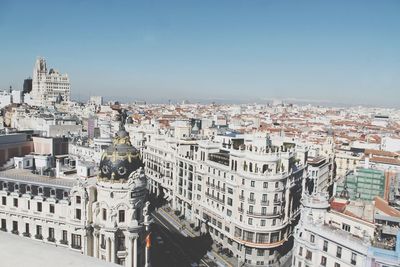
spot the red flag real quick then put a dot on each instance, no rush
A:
(148, 242)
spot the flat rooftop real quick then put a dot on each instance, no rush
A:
(26, 176)
(21, 251)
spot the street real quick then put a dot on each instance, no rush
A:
(171, 248)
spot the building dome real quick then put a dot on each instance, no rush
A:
(120, 159)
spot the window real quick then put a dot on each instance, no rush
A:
(250, 221)
(39, 206)
(15, 202)
(76, 241)
(323, 261)
(103, 242)
(251, 196)
(353, 258)
(312, 238)
(27, 228)
(262, 223)
(248, 251)
(104, 214)
(253, 184)
(51, 208)
(4, 201)
(39, 231)
(78, 200)
(121, 216)
(339, 252)
(346, 227)
(229, 212)
(120, 241)
(260, 252)
(229, 201)
(325, 248)
(264, 198)
(64, 237)
(300, 251)
(3, 225)
(276, 184)
(15, 227)
(230, 190)
(309, 255)
(265, 185)
(337, 264)
(51, 235)
(273, 222)
(78, 214)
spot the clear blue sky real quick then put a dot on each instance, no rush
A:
(338, 51)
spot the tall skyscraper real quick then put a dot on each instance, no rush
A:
(48, 86)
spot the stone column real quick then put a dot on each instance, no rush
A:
(96, 244)
(128, 260)
(108, 248)
(135, 256)
(113, 249)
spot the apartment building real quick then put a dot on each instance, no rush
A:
(245, 190)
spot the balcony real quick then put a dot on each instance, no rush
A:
(251, 200)
(265, 215)
(264, 203)
(277, 201)
(214, 198)
(240, 210)
(241, 198)
(26, 234)
(64, 242)
(76, 246)
(222, 189)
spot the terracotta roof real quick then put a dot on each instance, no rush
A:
(383, 206)
(391, 161)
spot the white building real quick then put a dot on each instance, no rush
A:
(330, 238)
(391, 144)
(49, 86)
(96, 100)
(103, 217)
(5, 99)
(245, 191)
(319, 173)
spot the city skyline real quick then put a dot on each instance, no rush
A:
(237, 51)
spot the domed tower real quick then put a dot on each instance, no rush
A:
(120, 214)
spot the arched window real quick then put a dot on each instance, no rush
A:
(265, 167)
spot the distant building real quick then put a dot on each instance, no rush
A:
(364, 184)
(5, 99)
(96, 100)
(14, 145)
(27, 87)
(319, 173)
(48, 85)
